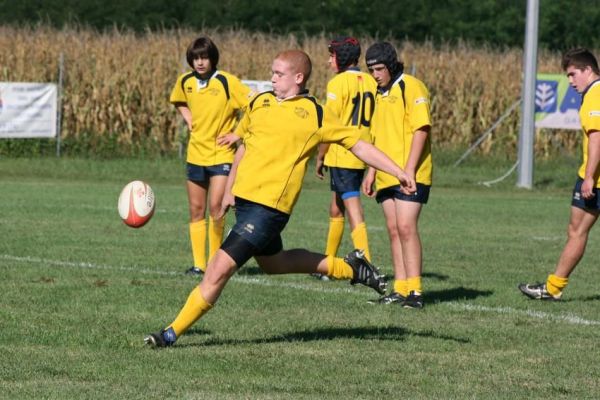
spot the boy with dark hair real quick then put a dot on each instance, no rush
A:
(582, 71)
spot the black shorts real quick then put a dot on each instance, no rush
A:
(199, 173)
(346, 181)
(257, 231)
(578, 200)
(393, 192)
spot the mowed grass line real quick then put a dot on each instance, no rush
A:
(73, 328)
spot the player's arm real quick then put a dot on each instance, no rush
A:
(593, 160)
(416, 149)
(185, 112)
(374, 157)
(228, 198)
(321, 168)
(368, 181)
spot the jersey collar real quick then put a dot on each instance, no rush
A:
(384, 91)
(594, 83)
(202, 83)
(302, 93)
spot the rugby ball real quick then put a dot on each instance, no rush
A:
(136, 204)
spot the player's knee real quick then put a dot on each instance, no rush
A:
(406, 231)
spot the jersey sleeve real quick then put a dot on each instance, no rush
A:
(335, 97)
(333, 131)
(591, 121)
(177, 94)
(242, 128)
(417, 104)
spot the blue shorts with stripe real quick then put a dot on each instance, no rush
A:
(346, 181)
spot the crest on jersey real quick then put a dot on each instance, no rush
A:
(301, 112)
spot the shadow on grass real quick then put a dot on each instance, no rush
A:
(363, 333)
(459, 293)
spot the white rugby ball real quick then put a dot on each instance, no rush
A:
(136, 204)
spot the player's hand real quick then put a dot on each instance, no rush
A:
(407, 183)
(227, 139)
(227, 202)
(587, 188)
(367, 183)
(321, 168)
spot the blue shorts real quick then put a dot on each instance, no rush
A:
(578, 200)
(199, 173)
(260, 226)
(346, 181)
(393, 192)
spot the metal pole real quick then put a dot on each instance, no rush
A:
(526, 137)
(61, 64)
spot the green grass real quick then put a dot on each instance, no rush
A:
(80, 290)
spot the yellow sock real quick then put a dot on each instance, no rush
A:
(215, 235)
(360, 239)
(556, 284)
(414, 284)
(198, 239)
(192, 310)
(338, 269)
(401, 287)
(334, 236)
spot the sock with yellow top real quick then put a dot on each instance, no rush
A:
(556, 284)
(414, 285)
(198, 239)
(334, 235)
(360, 239)
(215, 235)
(338, 269)
(401, 287)
(194, 308)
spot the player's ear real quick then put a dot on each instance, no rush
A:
(299, 78)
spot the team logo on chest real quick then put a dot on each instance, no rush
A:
(266, 103)
(301, 112)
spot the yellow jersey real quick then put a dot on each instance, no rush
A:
(279, 138)
(399, 112)
(350, 96)
(589, 115)
(214, 104)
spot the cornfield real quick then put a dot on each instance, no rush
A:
(117, 84)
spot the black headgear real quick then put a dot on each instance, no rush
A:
(346, 50)
(384, 53)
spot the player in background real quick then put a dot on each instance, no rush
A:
(209, 101)
(582, 71)
(265, 183)
(401, 128)
(350, 96)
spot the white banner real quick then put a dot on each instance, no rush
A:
(28, 110)
(258, 86)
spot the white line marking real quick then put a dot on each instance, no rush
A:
(541, 315)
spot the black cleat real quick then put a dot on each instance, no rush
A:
(194, 271)
(365, 273)
(537, 291)
(158, 339)
(413, 300)
(391, 298)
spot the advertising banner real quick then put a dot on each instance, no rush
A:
(556, 103)
(28, 110)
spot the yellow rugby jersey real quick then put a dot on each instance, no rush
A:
(350, 96)
(214, 105)
(589, 115)
(279, 137)
(398, 114)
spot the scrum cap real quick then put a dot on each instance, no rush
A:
(346, 50)
(384, 53)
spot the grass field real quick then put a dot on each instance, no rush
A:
(80, 290)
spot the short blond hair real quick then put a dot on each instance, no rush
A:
(298, 60)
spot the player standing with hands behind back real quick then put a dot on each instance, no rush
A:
(350, 96)
(209, 101)
(400, 128)
(584, 76)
